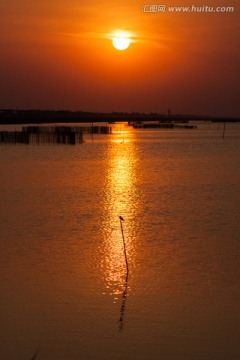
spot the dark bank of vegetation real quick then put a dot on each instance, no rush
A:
(9, 116)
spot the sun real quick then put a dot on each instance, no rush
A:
(121, 40)
(121, 43)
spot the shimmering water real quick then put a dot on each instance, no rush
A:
(62, 267)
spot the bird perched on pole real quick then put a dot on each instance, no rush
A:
(121, 218)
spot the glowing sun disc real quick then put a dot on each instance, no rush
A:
(121, 43)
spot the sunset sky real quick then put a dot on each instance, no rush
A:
(58, 54)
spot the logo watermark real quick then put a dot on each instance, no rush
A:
(161, 8)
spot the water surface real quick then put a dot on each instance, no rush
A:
(62, 267)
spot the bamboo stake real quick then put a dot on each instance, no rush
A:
(224, 128)
(124, 245)
(35, 355)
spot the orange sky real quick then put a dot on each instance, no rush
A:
(58, 55)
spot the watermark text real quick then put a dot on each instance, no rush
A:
(160, 8)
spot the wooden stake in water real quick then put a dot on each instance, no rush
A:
(224, 129)
(124, 245)
(35, 355)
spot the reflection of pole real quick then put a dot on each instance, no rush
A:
(124, 246)
(124, 298)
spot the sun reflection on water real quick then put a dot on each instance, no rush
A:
(120, 198)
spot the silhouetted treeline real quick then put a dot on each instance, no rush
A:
(44, 116)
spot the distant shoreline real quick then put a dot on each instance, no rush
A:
(12, 117)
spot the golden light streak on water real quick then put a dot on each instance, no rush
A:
(120, 198)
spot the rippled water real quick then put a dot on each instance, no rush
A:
(63, 273)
